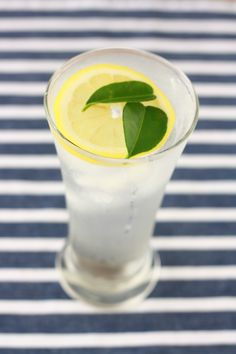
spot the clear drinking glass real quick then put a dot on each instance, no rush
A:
(107, 259)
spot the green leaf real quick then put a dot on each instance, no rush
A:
(126, 91)
(144, 127)
(133, 116)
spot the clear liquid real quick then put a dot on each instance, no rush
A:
(112, 208)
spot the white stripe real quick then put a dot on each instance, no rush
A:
(198, 273)
(104, 5)
(151, 305)
(213, 137)
(48, 66)
(26, 161)
(181, 273)
(113, 24)
(196, 214)
(18, 187)
(29, 65)
(12, 136)
(51, 161)
(207, 161)
(80, 44)
(37, 112)
(198, 187)
(207, 68)
(164, 215)
(22, 112)
(28, 244)
(22, 88)
(215, 90)
(217, 113)
(31, 188)
(36, 89)
(181, 243)
(33, 275)
(118, 340)
(34, 215)
(194, 243)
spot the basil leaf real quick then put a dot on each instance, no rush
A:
(126, 91)
(144, 127)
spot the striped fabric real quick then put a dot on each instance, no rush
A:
(193, 308)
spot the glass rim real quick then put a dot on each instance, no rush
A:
(154, 154)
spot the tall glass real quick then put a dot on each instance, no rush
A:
(107, 259)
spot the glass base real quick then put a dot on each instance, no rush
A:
(107, 288)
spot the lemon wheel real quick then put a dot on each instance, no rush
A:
(99, 129)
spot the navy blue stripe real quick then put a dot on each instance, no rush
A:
(164, 289)
(24, 124)
(33, 229)
(49, 149)
(21, 100)
(209, 349)
(213, 78)
(161, 228)
(178, 289)
(168, 258)
(37, 100)
(195, 228)
(31, 201)
(198, 200)
(27, 260)
(197, 258)
(204, 174)
(68, 54)
(34, 174)
(29, 149)
(181, 200)
(216, 124)
(179, 174)
(117, 34)
(229, 149)
(194, 56)
(218, 101)
(44, 77)
(122, 14)
(34, 291)
(117, 323)
(16, 123)
(26, 77)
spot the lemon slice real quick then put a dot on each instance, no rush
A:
(99, 129)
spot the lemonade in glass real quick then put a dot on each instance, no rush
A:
(120, 118)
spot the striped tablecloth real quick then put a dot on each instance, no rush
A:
(193, 308)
